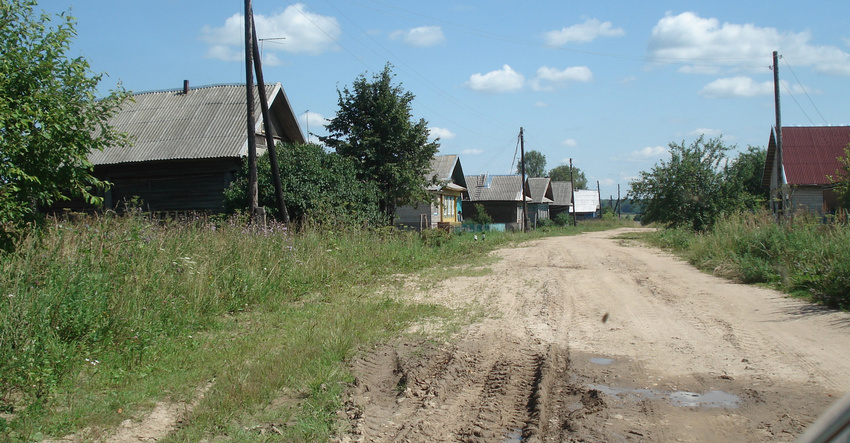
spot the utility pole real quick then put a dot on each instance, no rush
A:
(619, 208)
(573, 193)
(267, 125)
(249, 100)
(522, 181)
(780, 171)
(599, 198)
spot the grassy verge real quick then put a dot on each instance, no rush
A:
(102, 318)
(804, 257)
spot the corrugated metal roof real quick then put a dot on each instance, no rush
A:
(587, 200)
(562, 193)
(495, 187)
(809, 153)
(446, 169)
(541, 190)
(208, 122)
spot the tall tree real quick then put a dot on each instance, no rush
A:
(841, 179)
(535, 164)
(562, 174)
(50, 116)
(688, 189)
(374, 126)
(743, 188)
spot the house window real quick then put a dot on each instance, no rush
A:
(449, 207)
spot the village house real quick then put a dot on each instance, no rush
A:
(586, 204)
(187, 146)
(447, 188)
(500, 196)
(562, 196)
(809, 156)
(541, 197)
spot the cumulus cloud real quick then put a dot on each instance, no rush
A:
(741, 86)
(710, 46)
(549, 78)
(708, 132)
(583, 33)
(312, 122)
(647, 153)
(442, 133)
(302, 31)
(569, 143)
(502, 80)
(421, 37)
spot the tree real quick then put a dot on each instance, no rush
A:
(374, 127)
(841, 179)
(50, 118)
(317, 185)
(743, 188)
(688, 189)
(535, 164)
(562, 174)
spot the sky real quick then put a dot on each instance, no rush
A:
(608, 84)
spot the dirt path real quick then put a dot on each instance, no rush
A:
(591, 338)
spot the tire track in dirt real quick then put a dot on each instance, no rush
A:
(588, 339)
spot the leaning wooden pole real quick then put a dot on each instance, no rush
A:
(267, 126)
(253, 194)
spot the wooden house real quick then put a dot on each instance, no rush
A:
(187, 145)
(447, 187)
(586, 204)
(541, 197)
(562, 196)
(500, 196)
(809, 155)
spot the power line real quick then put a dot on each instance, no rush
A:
(805, 92)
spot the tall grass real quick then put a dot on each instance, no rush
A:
(802, 256)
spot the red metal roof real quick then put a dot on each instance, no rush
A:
(810, 153)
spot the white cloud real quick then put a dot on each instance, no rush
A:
(312, 122)
(302, 31)
(569, 143)
(549, 78)
(502, 80)
(708, 132)
(442, 133)
(741, 86)
(709, 46)
(422, 36)
(472, 152)
(647, 153)
(583, 33)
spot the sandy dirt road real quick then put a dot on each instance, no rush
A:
(594, 338)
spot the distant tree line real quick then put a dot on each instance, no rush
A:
(535, 163)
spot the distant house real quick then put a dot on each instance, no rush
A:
(809, 155)
(586, 204)
(187, 145)
(541, 197)
(447, 188)
(562, 197)
(499, 195)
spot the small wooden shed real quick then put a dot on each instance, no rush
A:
(187, 145)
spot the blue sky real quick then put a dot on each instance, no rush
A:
(606, 83)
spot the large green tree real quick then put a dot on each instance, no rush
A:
(50, 114)
(535, 164)
(686, 190)
(374, 127)
(318, 186)
(562, 174)
(743, 188)
(841, 179)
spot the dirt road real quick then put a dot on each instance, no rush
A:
(591, 338)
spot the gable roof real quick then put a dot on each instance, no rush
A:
(541, 190)
(447, 171)
(809, 153)
(562, 193)
(587, 200)
(487, 187)
(208, 122)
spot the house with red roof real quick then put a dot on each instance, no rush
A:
(809, 156)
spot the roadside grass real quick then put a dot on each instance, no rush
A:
(102, 318)
(803, 256)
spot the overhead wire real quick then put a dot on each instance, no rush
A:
(805, 92)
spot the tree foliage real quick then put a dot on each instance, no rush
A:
(841, 179)
(50, 116)
(742, 179)
(535, 164)
(318, 186)
(374, 127)
(562, 174)
(688, 189)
